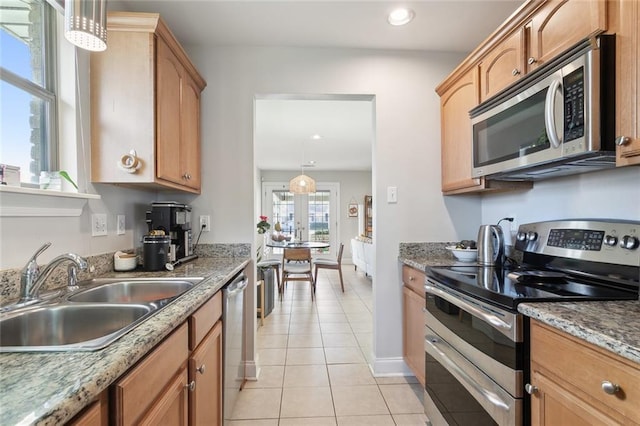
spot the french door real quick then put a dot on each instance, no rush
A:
(306, 217)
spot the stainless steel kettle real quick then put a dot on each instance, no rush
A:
(490, 245)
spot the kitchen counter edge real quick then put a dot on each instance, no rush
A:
(51, 388)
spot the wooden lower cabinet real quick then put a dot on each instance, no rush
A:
(154, 388)
(96, 414)
(205, 371)
(413, 300)
(569, 376)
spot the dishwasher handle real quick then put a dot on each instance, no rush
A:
(237, 286)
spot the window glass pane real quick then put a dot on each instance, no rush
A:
(23, 132)
(284, 211)
(319, 203)
(21, 38)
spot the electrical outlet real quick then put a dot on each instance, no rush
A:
(120, 228)
(205, 223)
(98, 224)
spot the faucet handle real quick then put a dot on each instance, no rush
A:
(32, 266)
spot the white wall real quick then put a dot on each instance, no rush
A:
(406, 152)
(610, 194)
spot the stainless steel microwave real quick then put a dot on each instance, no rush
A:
(558, 120)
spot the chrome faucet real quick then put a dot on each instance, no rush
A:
(31, 278)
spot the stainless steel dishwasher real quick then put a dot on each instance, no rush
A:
(233, 341)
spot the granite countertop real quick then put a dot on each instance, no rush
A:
(50, 388)
(612, 325)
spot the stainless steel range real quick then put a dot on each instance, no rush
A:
(476, 342)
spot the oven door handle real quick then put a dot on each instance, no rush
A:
(495, 401)
(469, 307)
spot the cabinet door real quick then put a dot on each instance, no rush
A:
(190, 143)
(413, 332)
(455, 104)
(503, 66)
(628, 85)
(205, 369)
(171, 408)
(560, 24)
(168, 122)
(553, 405)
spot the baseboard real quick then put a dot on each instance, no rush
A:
(251, 370)
(388, 367)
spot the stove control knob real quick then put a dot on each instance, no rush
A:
(521, 236)
(629, 242)
(610, 240)
(532, 236)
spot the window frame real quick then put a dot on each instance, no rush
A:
(47, 92)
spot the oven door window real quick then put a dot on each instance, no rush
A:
(475, 332)
(453, 401)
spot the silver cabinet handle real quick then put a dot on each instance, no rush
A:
(200, 369)
(531, 389)
(515, 72)
(532, 60)
(622, 140)
(191, 386)
(610, 388)
(186, 176)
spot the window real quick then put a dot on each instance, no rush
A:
(27, 87)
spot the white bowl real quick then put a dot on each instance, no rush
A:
(464, 255)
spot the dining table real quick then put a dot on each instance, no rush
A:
(298, 244)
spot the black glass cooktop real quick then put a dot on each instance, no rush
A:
(508, 288)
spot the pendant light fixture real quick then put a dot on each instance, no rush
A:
(85, 24)
(302, 184)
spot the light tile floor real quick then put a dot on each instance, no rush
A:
(314, 363)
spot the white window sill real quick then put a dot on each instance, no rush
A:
(29, 202)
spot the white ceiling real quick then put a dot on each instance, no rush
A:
(282, 124)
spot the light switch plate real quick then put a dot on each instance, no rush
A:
(120, 228)
(392, 194)
(98, 224)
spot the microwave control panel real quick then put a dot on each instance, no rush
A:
(574, 105)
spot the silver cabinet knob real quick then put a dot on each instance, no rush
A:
(515, 72)
(532, 60)
(610, 388)
(411, 278)
(623, 140)
(530, 389)
(629, 242)
(200, 369)
(191, 386)
(186, 176)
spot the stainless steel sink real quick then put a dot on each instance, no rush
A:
(65, 327)
(157, 291)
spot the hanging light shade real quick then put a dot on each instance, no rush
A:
(302, 184)
(85, 24)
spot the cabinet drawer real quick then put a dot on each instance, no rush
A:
(139, 388)
(584, 366)
(414, 279)
(202, 320)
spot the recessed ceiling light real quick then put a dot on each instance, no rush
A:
(401, 16)
(316, 137)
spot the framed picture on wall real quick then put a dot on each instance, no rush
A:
(353, 210)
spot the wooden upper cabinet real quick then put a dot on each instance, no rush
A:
(503, 65)
(145, 96)
(628, 84)
(559, 24)
(455, 102)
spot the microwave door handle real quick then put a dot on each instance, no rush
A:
(549, 113)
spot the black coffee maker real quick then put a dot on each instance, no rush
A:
(175, 220)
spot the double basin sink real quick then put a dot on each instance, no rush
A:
(91, 318)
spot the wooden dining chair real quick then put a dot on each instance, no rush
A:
(296, 266)
(330, 264)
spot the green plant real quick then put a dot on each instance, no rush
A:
(66, 176)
